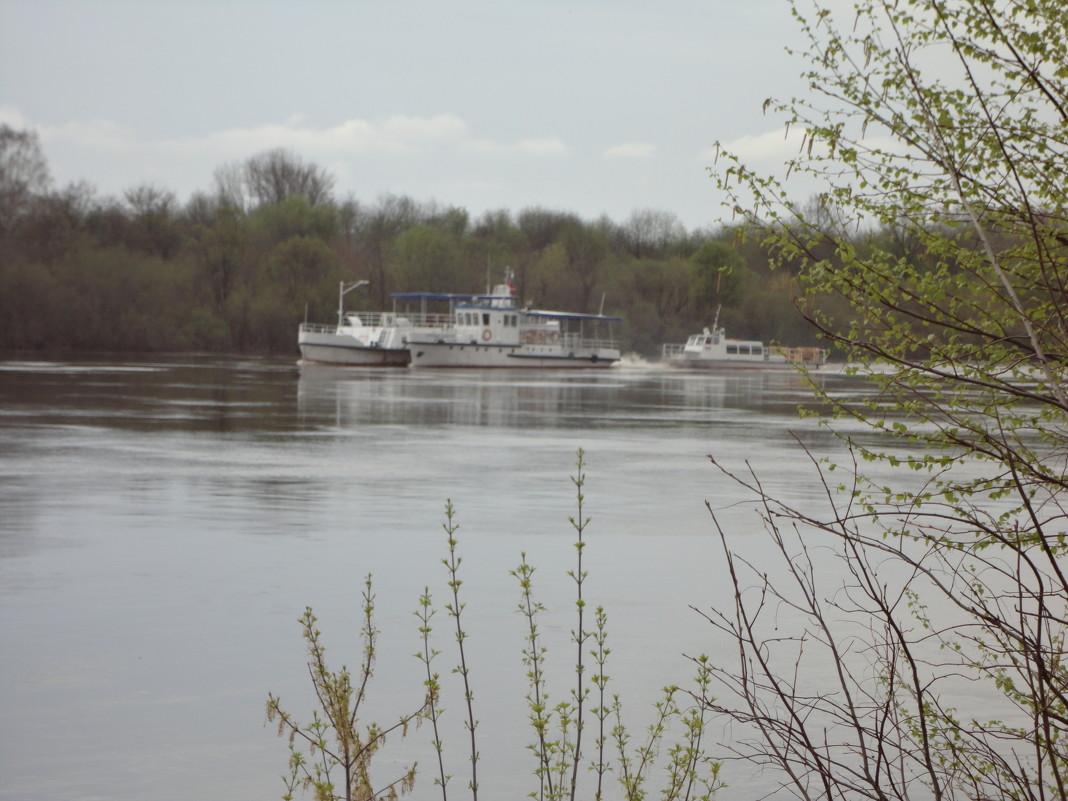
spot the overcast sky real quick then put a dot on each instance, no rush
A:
(584, 106)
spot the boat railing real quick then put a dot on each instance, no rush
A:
(316, 328)
(802, 355)
(421, 320)
(589, 343)
(384, 320)
(672, 350)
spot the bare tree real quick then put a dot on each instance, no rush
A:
(153, 212)
(229, 186)
(273, 176)
(648, 232)
(23, 173)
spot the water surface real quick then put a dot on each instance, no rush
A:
(164, 522)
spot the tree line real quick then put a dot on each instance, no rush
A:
(238, 266)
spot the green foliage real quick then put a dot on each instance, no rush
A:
(939, 234)
(299, 266)
(428, 257)
(295, 217)
(720, 275)
(332, 755)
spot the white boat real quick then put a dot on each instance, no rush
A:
(364, 339)
(491, 330)
(360, 339)
(712, 349)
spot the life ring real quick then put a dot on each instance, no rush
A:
(487, 335)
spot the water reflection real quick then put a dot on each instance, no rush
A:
(346, 398)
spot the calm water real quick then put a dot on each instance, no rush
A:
(164, 523)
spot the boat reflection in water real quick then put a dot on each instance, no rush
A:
(631, 394)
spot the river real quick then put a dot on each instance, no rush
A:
(165, 521)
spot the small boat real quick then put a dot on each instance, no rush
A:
(360, 339)
(491, 330)
(711, 349)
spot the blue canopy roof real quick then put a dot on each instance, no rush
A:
(555, 315)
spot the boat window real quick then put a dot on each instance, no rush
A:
(485, 318)
(708, 341)
(732, 349)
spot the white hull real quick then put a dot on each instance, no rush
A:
(698, 363)
(344, 349)
(454, 354)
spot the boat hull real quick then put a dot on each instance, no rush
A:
(340, 349)
(728, 364)
(454, 354)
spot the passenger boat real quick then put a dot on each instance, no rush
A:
(360, 339)
(711, 349)
(492, 330)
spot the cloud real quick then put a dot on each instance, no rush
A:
(544, 146)
(548, 146)
(101, 135)
(396, 135)
(9, 115)
(630, 150)
(770, 147)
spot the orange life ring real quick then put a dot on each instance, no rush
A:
(487, 335)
